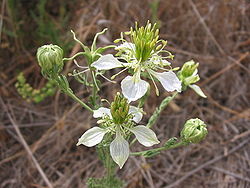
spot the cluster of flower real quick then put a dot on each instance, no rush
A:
(143, 57)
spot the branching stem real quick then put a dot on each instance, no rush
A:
(152, 120)
(73, 96)
(158, 150)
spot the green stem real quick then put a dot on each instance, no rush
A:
(95, 88)
(152, 152)
(152, 120)
(109, 178)
(72, 95)
(110, 169)
(143, 99)
(63, 84)
(74, 56)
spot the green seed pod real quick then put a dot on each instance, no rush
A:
(50, 59)
(194, 131)
(119, 109)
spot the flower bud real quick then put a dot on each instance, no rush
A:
(189, 73)
(50, 59)
(189, 68)
(119, 109)
(194, 131)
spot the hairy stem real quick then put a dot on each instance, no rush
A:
(152, 120)
(63, 84)
(152, 152)
(72, 95)
(95, 89)
(110, 169)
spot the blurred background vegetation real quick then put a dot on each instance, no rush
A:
(216, 33)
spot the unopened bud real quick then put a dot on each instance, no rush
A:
(189, 73)
(189, 68)
(194, 131)
(50, 59)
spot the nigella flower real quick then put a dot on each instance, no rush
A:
(119, 120)
(141, 56)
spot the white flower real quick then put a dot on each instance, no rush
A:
(127, 45)
(92, 136)
(107, 62)
(133, 87)
(169, 80)
(100, 112)
(119, 147)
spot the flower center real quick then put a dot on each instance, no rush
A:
(119, 109)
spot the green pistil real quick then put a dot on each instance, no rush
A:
(119, 109)
(145, 40)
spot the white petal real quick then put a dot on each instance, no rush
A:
(166, 63)
(137, 115)
(159, 61)
(92, 137)
(145, 135)
(107, 62)
(169, 80)
(198, 90)
(119, 150)
(133, 89)
(128, 45)
(100, 112)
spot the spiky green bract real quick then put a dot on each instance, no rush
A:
(119, 109)
(50, 59)
(194, 131)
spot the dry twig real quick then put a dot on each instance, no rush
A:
(26, 147)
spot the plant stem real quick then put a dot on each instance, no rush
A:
(95, 89)
(110, 169)
(63, 84)
(72, 95)
(143, 99)
(74, 56)
(152, 120)
(158, 150)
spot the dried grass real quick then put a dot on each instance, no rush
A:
(215, 33)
